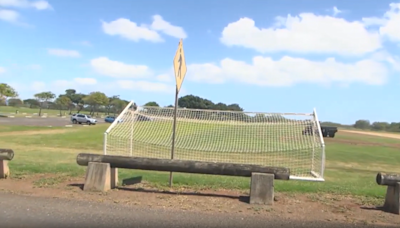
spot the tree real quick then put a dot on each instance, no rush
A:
(94, 100)
(76, 99)
(43, 98)
(15, 102)
(152, 103)
(380, 126)
(7, 91)
(195, 102)
(362, 124)
(63, 101)
(31, 103)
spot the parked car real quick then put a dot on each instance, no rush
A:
(111, 119)
(326, 131)
(79, 118)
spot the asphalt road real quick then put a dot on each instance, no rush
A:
(49, 121)
(30, 211)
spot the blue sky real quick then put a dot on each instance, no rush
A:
(341, 57)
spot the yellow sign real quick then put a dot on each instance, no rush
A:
(179, 66)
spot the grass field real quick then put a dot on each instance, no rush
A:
(352, 161)
(24, 111)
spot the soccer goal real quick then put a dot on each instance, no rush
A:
(292, 140)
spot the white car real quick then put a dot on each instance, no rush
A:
(79, 118)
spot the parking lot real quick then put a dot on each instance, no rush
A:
(49, 121)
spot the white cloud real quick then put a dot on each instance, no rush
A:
(9, 15)
(264, 71)
(2, 70)
(32, 88)
(391, 26)
(159, 24)
(336, 11)
(65, 84)
(85, 81)
(132, 31)
(146, 86)
(107, 67)
(63, 53)
(39, 5)
(164, 77)
(304, 33)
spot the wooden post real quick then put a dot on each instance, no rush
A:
(387, 179)
(392, 198)
(183, 166)
(6, 154)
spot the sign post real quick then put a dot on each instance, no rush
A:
(180, 72)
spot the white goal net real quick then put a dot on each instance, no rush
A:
(291, 140)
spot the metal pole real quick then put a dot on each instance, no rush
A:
(171, 177)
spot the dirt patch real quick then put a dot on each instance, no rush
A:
(380, 134)
(294, 206)
(37, 132)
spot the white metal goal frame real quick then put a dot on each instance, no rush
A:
(317, 161)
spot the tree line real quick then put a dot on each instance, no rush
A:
(96, 102)
(93, 102)
(377, 126)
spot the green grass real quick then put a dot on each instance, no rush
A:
(12, 110)
(24, 111)
(350, 169)
(11, 128)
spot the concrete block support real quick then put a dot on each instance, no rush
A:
(392, 199)
(4, 169)
(100, 177)
(262, 188)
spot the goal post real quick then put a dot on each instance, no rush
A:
(292, 140)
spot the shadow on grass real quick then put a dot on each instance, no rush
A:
(137, 180)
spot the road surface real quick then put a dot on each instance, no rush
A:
(31, 211)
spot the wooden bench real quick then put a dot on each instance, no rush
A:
(102, 172)
(392, 198)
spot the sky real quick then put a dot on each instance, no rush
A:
(340, 57)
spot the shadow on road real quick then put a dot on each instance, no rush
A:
(377, 208)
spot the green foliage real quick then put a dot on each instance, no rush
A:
(43, 98)
(31, 103)
(377, 126)
(152, 103)
(195, 102)
(7, 91)
(15, 102)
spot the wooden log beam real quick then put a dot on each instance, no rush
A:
(6, 154)
(387, 179)
(183, 166)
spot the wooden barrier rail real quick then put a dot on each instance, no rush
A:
(102, 172)
(6, 155)
(392, 198)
